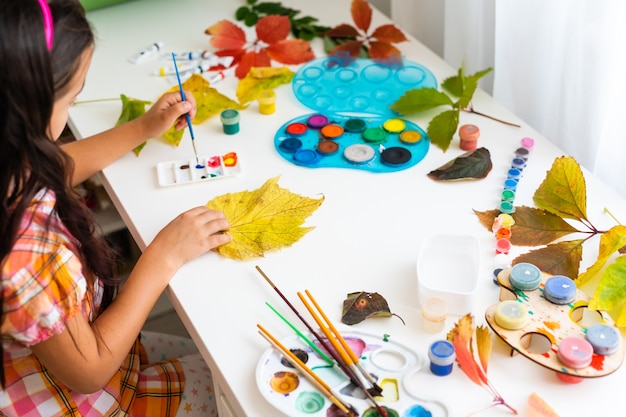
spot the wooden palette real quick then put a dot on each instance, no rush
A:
(548, 324)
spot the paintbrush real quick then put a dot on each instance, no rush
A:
(344, 355)
(346, 370)
(308, 373)
(344, 344)
(182, 96)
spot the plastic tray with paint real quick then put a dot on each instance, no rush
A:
(372, 143)
(346, 84)
(187, 171)
(387, 361)
(535, 323)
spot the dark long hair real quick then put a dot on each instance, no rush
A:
(31, 77)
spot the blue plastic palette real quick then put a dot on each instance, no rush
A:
(372, 143)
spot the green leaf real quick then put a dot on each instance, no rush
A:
(562, 258)
(475, 164)
(132, 109)
(454, 84)
(469, 88)
(241, 13)
(610, 242)
(251, 19)
(442, 127)
(563, 191)
(420, 99)
(611, 290)
(535, 227)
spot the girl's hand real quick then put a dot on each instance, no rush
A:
(167, 111)
(189, 235)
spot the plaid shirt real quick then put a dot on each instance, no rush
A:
(42, 286)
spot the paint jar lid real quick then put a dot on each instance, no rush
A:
(503, 245)
(355, 125)
(359, 153)
(508, 195)
(230, 117)
(394, 125)
(559, 289)
(267, 97)
(510, 184)
(522, 153)
(525, 276)
(306, 156)
(469, 132)
(575, 352)
(605, 339)
(514, 174)
(502, 220)
(331, 131)
(374, 134)
(327, 147)
(410, 136)
(296, 128)
(290, 145)
(503, 233)
(528, 143)
(434, 312)
(518, 163)
(317, 121)
(396, 155)
(507, 207)
(511, 315)
(441, 355)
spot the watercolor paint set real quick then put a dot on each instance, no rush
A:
(353, 125)
(187, 171)
(390, 362)
(546, 318)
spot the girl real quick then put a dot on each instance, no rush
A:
(69, 329)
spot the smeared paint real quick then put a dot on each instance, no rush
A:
(300, 354)
(552, 325)
(597, 362)
(284, 382)
(391, 393)
(309, 402)
(373, 412)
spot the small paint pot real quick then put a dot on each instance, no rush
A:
(317, 121)
(327, 147)
(575, 352)
(442, 356)
(522, 153)
(528, 143)
(510, 184)
(395, 156)
(469, 135)
(605, 339)
(331, 131)
(514, 174)
(503, 246)
(410, 137)
(525, 276)
(290, 145)
(374, 135)
(559, 289)
(267, 102)
(394, 125)
(355, 125)
(511, 315)
(359, 153)
(434, 313)
(502, 220)
(508, 195)
(507, 207)
(503, 233)
(230, 121)
(518, 163)
(296, 129)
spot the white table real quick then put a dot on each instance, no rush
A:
(367, 232)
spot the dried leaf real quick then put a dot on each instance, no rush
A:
(563, 191)
(273, 28)
(260, 79)
(610, 242)
(353, 48)
(610, 292)
(461, 337)
(389, 34)
(226, 35)
(382, 50)
(132, 109)
(266, 219)
(291, 51)
(562, 258)
(534, 227)
(343, 30)
(359, 306)
(361, 14)
(474, 164)
(484, 344)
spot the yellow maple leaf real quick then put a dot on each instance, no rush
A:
(266, 219)
(260, 79)
(209, 102)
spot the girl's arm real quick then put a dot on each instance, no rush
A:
(92, 154)
(96, 350)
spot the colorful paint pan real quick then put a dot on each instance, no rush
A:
(349, 141)
(187, 172)
(389, 361)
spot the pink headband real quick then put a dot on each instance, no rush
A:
(48, 26)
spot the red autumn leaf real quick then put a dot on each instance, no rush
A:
(251, 59)
(343, 31)
(361, 14)
(273, 28)
(353, 48)
(382, 50)
(290, 51)
(226, 35)
(389, 33)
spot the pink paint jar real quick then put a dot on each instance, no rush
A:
(576, 353)
(469, 135)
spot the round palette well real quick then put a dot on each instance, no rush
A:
(372, 143)
(290, 392)
(340, 84)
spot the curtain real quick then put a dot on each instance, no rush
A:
(558, 64)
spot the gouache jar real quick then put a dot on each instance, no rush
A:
(511, 315)
(442, 356)
(559, 289)
(434, 313)
(525, 276)
(469, 135)
(605, 339)
(503, 246)
(230, 121)
(576, 353)
(267, 102)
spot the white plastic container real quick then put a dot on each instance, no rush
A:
(447, 268)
